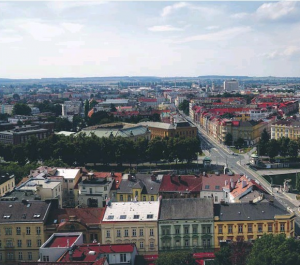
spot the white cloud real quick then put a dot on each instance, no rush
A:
(72, 27)
(274, 11)
(164, 28)
(169, 9)
(41, 31)
(285, 53)
(11, 39)
(219, 35)
(240, 15)
(212, 27)
(71, 44)
(60, 6)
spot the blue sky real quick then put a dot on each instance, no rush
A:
(64, 39)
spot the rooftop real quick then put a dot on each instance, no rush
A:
(67, 173)
(178, 183)
(190, 208)
(132, 211)
(212, 182)
(61, 241)
(5, 178)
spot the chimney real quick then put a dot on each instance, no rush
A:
(179, 178)
(153, 177)
(231, 184)
(244, 183)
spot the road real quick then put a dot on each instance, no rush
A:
(237, 163)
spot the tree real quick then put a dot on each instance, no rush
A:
(228, 139)
(293, 149)
(239, 143)
(298, 181)
(179, 257)
(112, 108)
(275, 250)
(184, 106)
(62, 124)
(86, 108)
(265, 136)
(223, 256)
(272, 148)
(21, 109)
(16, 96)
(283, 145)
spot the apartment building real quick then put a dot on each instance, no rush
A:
(21, 230)
(285, 128)
(132, 222)
(186, 224)
(7, 184)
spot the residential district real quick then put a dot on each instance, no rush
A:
(122, 172)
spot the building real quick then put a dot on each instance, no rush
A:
(22, 230)
(57, 244)
(7, 109)
(249, 221)
(179, 128)
(180, 186)
(68, 220)
(186, 224)
(285, 128)
(119, 129)
(139, 187)
(22, 134)
(231, 85)
(72, 108)
(132, 222)
(94, 189)
(7, 184)
(113, 254)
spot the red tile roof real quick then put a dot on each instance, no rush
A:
(185, 183)
(241, 186)
(211, 182)
(147, 100)
(62, 241)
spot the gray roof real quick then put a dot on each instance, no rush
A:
(11, 211)
(142, 181)
(249, 211)
(190, 208)
(161, 125)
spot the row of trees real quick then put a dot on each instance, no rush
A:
(272, 148)
(269, 249)
(81, 149)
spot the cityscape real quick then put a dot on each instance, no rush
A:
(149, 133)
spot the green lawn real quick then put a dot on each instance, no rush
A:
(244, 150)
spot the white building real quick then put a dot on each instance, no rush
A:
(231, 85)
(72, 108)
(179, 100)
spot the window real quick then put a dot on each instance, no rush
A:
(38, 230)
(10, 255)
(292, 225)
(204, 242)
(206, 187)
(45, 258)
(229, 229)
(281, 227)
(8, 231)
(123, 257)
(118, 233)
(195, 229)
(141, 232)
(133, 232)
(9, 243)
(149, 216)
(186, 242)
(28, 243)
(259, 228)
(249, 228)
(216, 199)
(20, 256)
(177, 230)
(121, 198)
(152, 198)
(126, 232)
(39, 242)
(28, 232)
(29, 255)
(19, 243)
(18, 230)
(136, 216)
(110, 217)
(220, 229)
(141, 244)
(129, 198)
(240, 228)
(105, 188)
(208, 242)
(144, 198)
(217, 187)
(108, 233)
(151, 244)
(208, 229)
(186, 229)
(151, 232)
(123, 216)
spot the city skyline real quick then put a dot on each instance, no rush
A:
(82, 39)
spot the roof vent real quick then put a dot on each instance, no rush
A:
(10, 206)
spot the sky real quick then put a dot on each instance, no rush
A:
(166, 39)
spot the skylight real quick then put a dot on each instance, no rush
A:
(136, 216)
(110, 217)
(36, 216)
(149, 216)
(122, 216)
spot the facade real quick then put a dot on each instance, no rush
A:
(186, 224)
(22, 230)
(231, 85)
(71, 108)
(132, 222)
(161, 129)
(177, 186)
(285, 128)
(139, 187)
(248, 221)
(7, 184)
(84, 220)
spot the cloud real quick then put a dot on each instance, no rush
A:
(169, 9)
(42, 31)
(72, 27)
(274, 11)
(212, 27)
(240, 15)
(9, 36)
(218, 36)
(60, 6)
(71, 44)
(288, 52)
(164, 28)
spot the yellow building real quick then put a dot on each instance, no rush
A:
(249, 221)
(289, 129)
(21, 230)
(7, 184)
(132, 222)
(139, 187)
